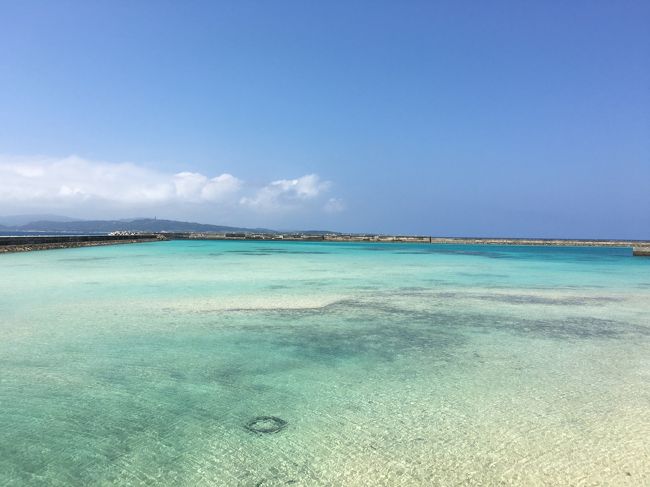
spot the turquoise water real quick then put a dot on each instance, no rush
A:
(391, 365)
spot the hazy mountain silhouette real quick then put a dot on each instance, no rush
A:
(17, 220)
(137, 225)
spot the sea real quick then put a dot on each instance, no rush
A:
(251, 363)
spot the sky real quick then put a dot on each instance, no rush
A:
(450, 118)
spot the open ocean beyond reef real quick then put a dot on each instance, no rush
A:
(173, 363)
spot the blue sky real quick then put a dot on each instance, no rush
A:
(445, 118)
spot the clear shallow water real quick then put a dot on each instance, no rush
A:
(391, 364)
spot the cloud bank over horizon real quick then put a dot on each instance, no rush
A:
(88, 189)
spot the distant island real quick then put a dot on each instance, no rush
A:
(65, 225)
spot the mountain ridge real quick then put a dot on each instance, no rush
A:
(152, 225)
(18, 220)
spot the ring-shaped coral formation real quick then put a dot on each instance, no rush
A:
(266, 424)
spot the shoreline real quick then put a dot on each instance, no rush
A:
(32, 243)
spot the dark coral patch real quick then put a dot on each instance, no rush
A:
(266, 424)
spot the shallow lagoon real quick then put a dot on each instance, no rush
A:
(391, 364)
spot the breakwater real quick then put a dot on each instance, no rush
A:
(641, 251)
(29, 243)
(640, 247)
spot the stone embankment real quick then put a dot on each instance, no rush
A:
(640, 248)
(641, 251)
(23, 244)
(300, 237)
(26, 244)
(540, 242)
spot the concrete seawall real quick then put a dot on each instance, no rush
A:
(28, 243)
(640, 247)
(641, 251)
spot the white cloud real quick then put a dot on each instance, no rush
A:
(287, 193)
(221, 187)
(196, 188)
(88, 187)
(61, 182)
